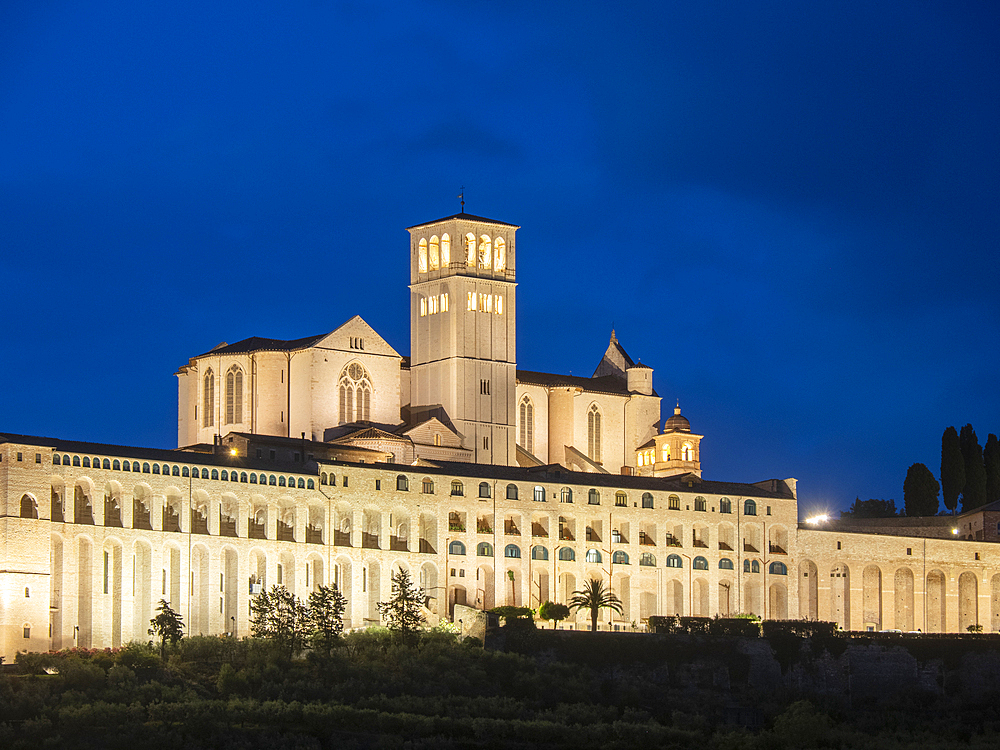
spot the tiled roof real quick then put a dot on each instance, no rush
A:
(603, 384)
(258, 344)
(465, 217)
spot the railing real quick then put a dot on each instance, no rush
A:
(256, 530)
(673, 541)
(398, 544)
(171, 520)
(699, 543)
(369, 541)
(566, 536)
(314, 535)
(456, 526)
(747, 547)
(199, 524)
(511, 530)
(774, 549)
(726, 546)
(646, 540)
(538, 530)
(484, 528)
(341, 538)
(286, 533)
(425, 548)
(227, 526)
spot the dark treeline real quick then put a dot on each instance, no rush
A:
(970, 473)
(377, 690)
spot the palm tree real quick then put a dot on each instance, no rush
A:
(595, 597)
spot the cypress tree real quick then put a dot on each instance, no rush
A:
(974, 492)
(991, 461)
(920, 491)
(952, 469)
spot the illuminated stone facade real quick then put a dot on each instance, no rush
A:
(333, 459)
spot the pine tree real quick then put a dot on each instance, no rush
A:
(402, 610)
(326, 617)
(168, 625)
(920, 491)
(952, 469)
(991, 462)
(280, 616)
(974, 492)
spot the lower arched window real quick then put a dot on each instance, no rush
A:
(484, 549)
(512, 550)
(539, 553)
(699, 563)
(29, 509)
(456, 548)
(725, 505)
(457, 488)
(674, 502)
(620, 557)
(593, 556)
(674, 561)
(647, 500)
(594, 497)
(566, 496)
(749, 508)
(566, 554)
(778, 569)
(402, 484)
(700, 504)
(725, 564)
(647, 560)
(539, 494)
(511, 492)
(484, 491)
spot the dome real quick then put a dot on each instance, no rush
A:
(677, 423)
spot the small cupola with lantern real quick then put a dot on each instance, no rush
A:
(674, 452)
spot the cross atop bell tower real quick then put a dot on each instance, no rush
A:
(462, 331)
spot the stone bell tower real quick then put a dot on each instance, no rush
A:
(462, 331)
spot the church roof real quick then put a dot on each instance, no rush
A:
(372, 433)
(464, 217)
(603, 384)
(258, 344)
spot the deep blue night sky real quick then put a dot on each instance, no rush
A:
(788, 209)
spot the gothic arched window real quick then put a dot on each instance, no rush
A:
(208, 400)
(526, 414)
(594, 434)
(355, 394)
(234, 395)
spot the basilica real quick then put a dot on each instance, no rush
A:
(335, 459)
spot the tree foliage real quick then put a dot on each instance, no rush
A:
(402, 612)
(554, 612)
(325, 617)
(594, 596)
(167, 626)
(991, 462)
(279, 616)
(974, 491)
(920, 491)
(952, 468)
(870, 509)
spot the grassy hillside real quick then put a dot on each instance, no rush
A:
(374, 692)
